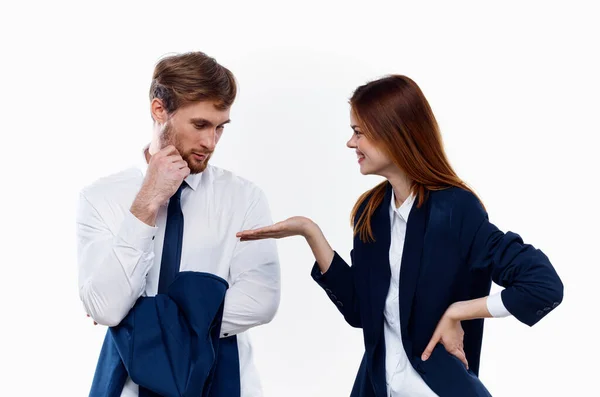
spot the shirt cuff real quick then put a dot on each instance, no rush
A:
(136, 233)
(496, 307)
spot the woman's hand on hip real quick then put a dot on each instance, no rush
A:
(450, 334)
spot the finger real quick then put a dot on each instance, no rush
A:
(255, 238)
(429, 349)
(245, 233)
(185, 171)
(259, 237)
(174, 158)
(164, 152)
(460, 354)
(252, 232)
(168, 150)
(180, 164)
(264, 234)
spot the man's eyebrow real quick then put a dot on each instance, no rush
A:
(203, 121)
(200, 120)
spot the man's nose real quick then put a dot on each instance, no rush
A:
(209, 139)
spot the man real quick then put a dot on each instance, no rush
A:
(129, 225)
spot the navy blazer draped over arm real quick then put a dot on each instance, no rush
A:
(170, 344)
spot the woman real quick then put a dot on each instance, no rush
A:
(424, 256)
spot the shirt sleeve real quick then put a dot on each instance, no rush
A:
(254, 294)
(112, 266)
(496, 307)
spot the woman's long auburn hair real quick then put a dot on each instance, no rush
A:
(395, 115)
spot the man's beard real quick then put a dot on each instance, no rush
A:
(169, 137)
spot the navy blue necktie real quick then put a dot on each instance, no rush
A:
(171, 254)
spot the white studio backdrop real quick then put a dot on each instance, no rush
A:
(514, 87)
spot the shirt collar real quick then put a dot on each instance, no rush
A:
(404, 210)
(193, 180)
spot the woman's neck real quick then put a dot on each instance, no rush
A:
(401, 185)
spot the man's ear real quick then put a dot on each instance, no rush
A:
(158, 111)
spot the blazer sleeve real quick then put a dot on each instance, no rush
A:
(338, 283)
(532, 286)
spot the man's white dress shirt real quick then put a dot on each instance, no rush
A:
(119, 255)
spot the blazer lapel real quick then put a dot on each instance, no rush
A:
(379, 262)
(411, 261)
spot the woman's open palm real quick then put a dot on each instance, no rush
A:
(294, 226)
